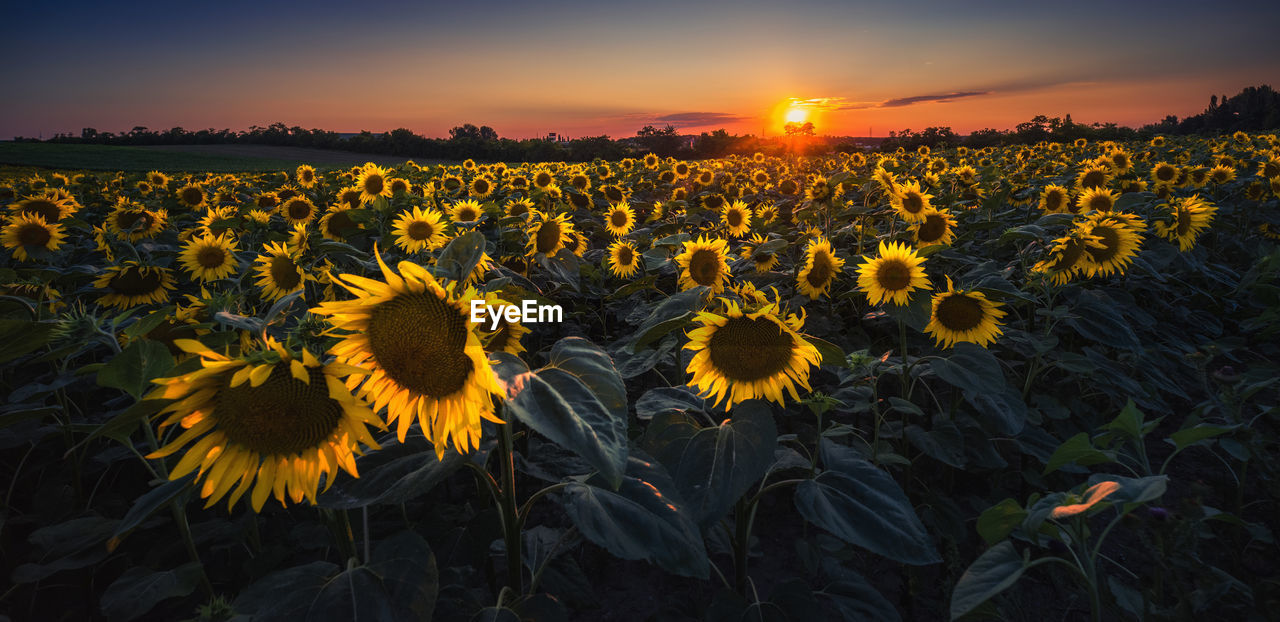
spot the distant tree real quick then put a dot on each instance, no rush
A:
(470, 131)
(798, 129)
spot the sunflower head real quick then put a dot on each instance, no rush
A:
(821, 266)
(893, 275)
(911, 202)
(306, 176)
(620, 219)
(423, 358)
(740, 354)
(548, 234)
(466, 211)
(736, 217)
(964, 316)
(703, 263)
(209, 257)
(29, 233)
(938, 227)
(622, 260)
(373, 183)
(264, 420)
(1118, 240)
(279, 273)
(132, 284)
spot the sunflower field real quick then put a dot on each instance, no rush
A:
(1015, 383)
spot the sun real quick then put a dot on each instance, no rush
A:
(796, 114)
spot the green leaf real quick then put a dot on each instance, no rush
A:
(22, 337)
(715, 466)
(125, 423)
(408, 570)
(1187, 437)
(132, 369)
(1077, 450)
(993, 572)
(392, 475)
(668, 399)
(976, 371)
(68, 545)
(1095, 317)
(461, 255)
(857, 600)
(595, 369)
(644, 519)
(944, 443)
(559, 406)
(356, 594)
(284, 594)
(669, 315)
(998, 521)
(1128, 422)
(1133, 490)
(832, 355)
(861, 504)
(139, 590)
(149, 503)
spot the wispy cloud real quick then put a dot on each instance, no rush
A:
(696, 119)
(923, 99)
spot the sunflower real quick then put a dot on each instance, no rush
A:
(48, 205)
(549, 235)
(965, 173)
(736, 217)
(820, 268)
(372, 182)
(1222, 174)
(480, 187)
(217, 220)
(337, 223)
(518, 207)
(131, 284)
(192, 196)
(278, 271)
(1270, 168)
(1095, 200)
(820, 190)
(263, 417)
(703, 263)
(1055, 199)
(27, 233)
(1094, 176)
(132, 221)
(350, 197)
(963, 316)
(740, 355)
(888, 184)
(542, 178)
(911, 202)
(789, 187)
(1118, 242)
(1164, 173)
(651, 161)
(936, 228)
(1120, 161)
(620, 219)
(419, 229)
(623, 261)
(763, 261)
(1184, 220)
(1066, 256)
(209, 257)
(893, 275)
(157, 179)
(298, 210)
(506, 337)
(423, 357)
(466, 211)
(306, 176)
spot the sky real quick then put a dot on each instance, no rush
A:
(592, 68)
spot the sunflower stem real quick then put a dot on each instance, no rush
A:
(906, 371)
(180, 515)
(510, 514)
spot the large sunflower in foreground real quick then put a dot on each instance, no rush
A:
(820, 269)
(419, 229)
(1186, 218)
(209, 257)
(263, 420)
(131, 284)
(741, 355)
(372, 182)
(703, 263)
(893, 275)
(960, 315)
(29, 232)
(423, 356)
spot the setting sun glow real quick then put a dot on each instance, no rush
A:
(796, 115)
